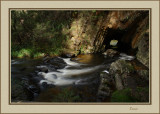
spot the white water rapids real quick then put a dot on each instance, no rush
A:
(68, 76)
(74, 72)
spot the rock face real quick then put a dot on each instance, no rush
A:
(118, 81)
(144, 73)
(119, 69)
(91, 32)
(123, 78)
(143, 50)
(104, 90)
(121, 66)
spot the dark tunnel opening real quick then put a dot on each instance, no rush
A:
(117, 34)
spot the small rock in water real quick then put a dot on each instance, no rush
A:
(58, 62)
(45, 85)
(36, 79)
(110, 53)
(54, 76)
(41, 74)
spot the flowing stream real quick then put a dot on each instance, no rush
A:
(77, 81)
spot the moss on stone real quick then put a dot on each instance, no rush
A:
(122, 96)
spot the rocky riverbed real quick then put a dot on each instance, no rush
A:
(85, 78)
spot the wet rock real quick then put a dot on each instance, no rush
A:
(104, 89)
(42, 68)
(36, 79)
(41, 74)
(57, 62)
(118, 82)
(51, 68)
(106, 78)
(111, 53)
(33, 89)
(45, 86)
(122, 71)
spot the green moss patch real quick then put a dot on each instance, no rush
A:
(122, 96)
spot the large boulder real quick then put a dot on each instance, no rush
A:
(122, 70)
(42, 68)
(121, 66)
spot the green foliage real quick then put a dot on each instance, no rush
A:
(39, 31)
(93, 11)
(139, 94)
(82, 49)
(45, 32)
(24, 52)
(21, 53)
(66, 95)
(38, 54)
(122, 96)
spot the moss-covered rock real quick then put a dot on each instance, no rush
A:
(121, 66)
(106, 86)
(122, 96)
(140, 94)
